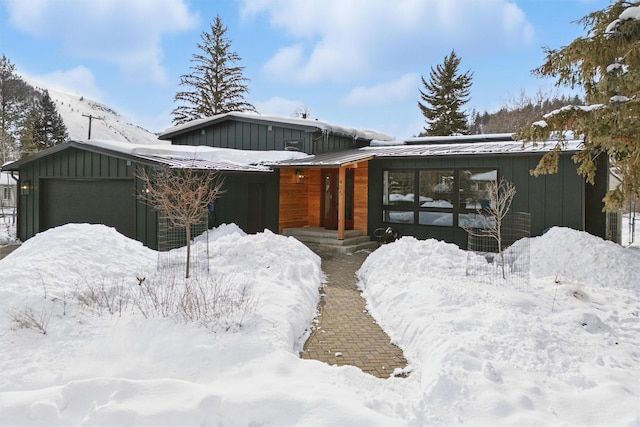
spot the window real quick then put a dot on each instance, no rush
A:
(6, 193)
(437, 190)
(293, 145)
(399, 196)
(445, 198)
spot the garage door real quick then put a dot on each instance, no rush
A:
(109, 202)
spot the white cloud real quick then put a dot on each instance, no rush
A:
(277, 106)
(384, 93)
(124, 32)
(338, 40)
(79, 80)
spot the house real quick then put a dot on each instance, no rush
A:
(289, 174)
(8, 186)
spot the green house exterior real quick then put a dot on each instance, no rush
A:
(560, 199)
(86, 182)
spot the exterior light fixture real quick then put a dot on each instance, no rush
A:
(25, 188)
(299, 176)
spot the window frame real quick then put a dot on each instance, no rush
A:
(415, 206)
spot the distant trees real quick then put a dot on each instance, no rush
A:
(14, 101)
(215, 84)
(518, 112)
(302, 111)
(29, 120)
(606, 65)
(445, 94)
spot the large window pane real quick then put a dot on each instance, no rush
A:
(398, 187)
(436, 189)
(473, 187)
(474, 220)
(442, 219)
(398, 217)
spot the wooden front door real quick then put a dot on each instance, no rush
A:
(329, 187)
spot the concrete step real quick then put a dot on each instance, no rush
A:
(349, 249)
(349, 241)
(319, 232)
(322, 239)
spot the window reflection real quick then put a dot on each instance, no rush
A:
(445, 197)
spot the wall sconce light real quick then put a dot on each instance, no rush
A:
(25, 188)
(145, 190)
(299, 176)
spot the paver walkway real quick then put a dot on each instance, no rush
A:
(345, 333)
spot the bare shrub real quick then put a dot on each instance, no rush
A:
(215, 303)
(100, 296)
(29, 319)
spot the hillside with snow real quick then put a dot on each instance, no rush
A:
(107, 124)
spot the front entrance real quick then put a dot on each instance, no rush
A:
(329, 191)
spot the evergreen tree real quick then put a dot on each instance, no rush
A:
(54, 131)
(606, 65)
(445, 94)
(30, 133)
(43, 126)
(14, 105)
(216, 84)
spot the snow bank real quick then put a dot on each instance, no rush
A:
(561, 353)
(581, 257)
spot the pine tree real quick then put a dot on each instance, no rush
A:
(30, 133)
(445, 94)
(54, 131)
(606, 65)
(43, 126)
(14, 105)
(216, 84)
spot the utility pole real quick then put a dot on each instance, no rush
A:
(90, 119)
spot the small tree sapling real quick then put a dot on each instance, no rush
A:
(181, 195)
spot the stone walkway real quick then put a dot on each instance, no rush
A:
(345, 333)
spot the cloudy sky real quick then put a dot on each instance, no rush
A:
(354, 63)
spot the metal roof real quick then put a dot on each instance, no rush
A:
(178, 163)
(454, 139)
(336, 159)
(470, 149)
(306, 125)
(173, 162)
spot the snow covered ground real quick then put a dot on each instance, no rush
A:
(565, 350)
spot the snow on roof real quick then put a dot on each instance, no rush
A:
(311, 124)
(477, 148)
(198, 157)
(485, 137)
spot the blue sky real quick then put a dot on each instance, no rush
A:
(353, 63)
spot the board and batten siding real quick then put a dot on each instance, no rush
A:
(265, 137)
(552, 200)
(80, 165)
